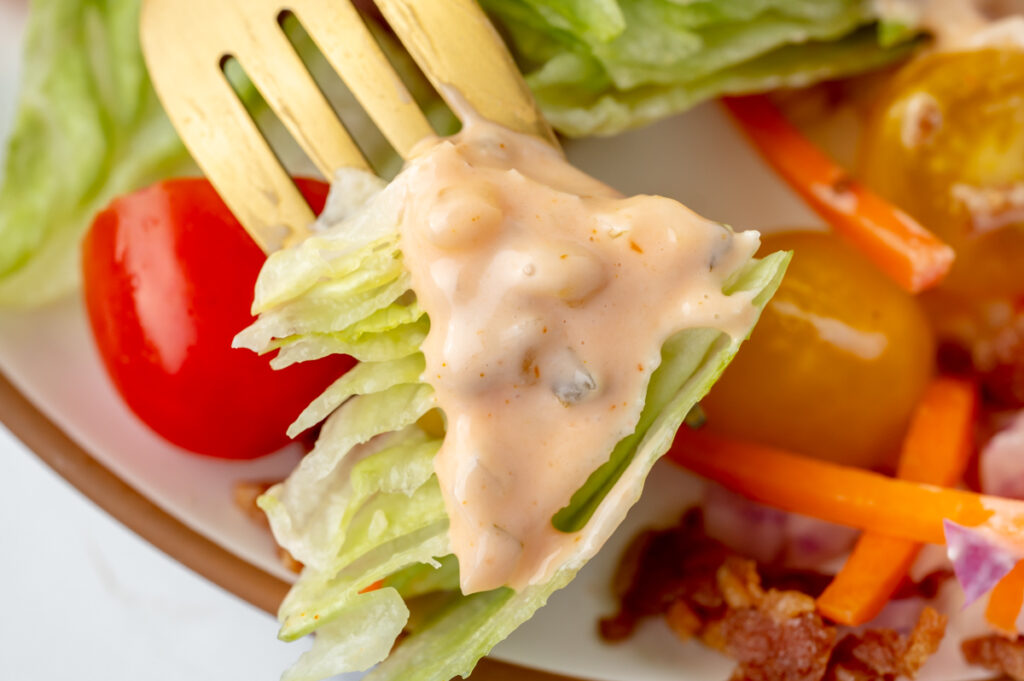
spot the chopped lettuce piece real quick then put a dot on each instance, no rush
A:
(600, 68)
(349, 642)
(363, 378)
(365, 505)
(451, 643)
(421, 579)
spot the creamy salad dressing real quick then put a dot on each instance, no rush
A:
(550, 297)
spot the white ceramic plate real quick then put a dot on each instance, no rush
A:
(697, 158)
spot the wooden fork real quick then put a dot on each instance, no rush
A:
(187, 42)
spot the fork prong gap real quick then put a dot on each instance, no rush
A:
(279, 74)
(288, 152)
(440, 116)
(351, 50)
(375, 147)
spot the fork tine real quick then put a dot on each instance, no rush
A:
(215, 127)
(185, 42)
(273, 65)
(350, 48)
(455, 45)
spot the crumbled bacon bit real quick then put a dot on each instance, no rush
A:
(664, 566)
(886, 654)
(739, 583)
(682, 620)
(998, 653)
(984, 336)
(246, 493)
(763, 617)
(288, 560)
(927, 588)
(767, 649)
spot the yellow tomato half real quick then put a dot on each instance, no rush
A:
(945, 142)
(836, 364)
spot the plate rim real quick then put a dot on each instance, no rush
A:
(204, 557)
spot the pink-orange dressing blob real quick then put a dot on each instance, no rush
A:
(549, 299)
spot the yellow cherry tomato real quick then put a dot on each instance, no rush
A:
(836, 364)
(945, 142)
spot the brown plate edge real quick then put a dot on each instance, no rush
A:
(180, 542)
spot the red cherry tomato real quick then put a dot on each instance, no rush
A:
(169, 276)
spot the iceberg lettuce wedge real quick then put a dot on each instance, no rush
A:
(365, 505)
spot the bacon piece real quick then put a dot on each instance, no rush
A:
(773, 635)
(884, 654)
(246, 492)
(764, 617)
(998, 653)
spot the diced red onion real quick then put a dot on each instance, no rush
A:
(753, 529)
(979, 561)
(769, 535)
(811, 542)
(1002, 461)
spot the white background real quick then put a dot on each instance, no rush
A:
(81, 597)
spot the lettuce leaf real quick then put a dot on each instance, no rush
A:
(365, 504)
(88, 128)
(602, 67)
(691, 362)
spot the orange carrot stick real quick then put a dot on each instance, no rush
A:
(936, 450)
(844, 494)
(895, 242)
(1005, 601)
(871, 574)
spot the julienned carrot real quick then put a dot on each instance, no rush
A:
(936, 450)
(895, 242)
(1005, 602)
(873, 571)
(940, 438)
(844, 494)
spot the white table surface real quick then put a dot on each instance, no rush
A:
(83, 597)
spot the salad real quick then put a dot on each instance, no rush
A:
(530, 343)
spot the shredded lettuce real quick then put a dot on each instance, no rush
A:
(365, 505)
(602, 67)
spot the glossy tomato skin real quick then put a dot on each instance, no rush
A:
(168, 278)
(945, 142)
(836, 364)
